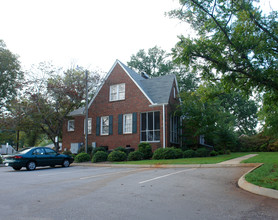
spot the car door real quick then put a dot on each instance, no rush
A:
(40, 157)
(53, 157)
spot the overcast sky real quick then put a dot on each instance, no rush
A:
(88, 33)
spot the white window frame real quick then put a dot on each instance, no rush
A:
(89, 125)
(119, 95)
(127, 123)
(71, 125)
(147, 129)
(102, 131)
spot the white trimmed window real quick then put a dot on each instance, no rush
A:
(150, 126)
(89, 125)
(70, 125)
(117, 92)
(127, 122)
(104, 128)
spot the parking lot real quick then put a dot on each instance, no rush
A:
(129, 193)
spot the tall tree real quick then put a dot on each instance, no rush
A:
(10, 74)
(218, 115)
(52, 97)
(157, 62)
(236, 42)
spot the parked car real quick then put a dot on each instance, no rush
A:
(36, 157)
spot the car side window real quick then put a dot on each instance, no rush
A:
(50, 151)
(38, 151)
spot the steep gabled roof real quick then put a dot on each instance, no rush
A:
(157, 90)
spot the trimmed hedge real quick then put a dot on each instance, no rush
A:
(98, 149)
(202, 152)
(167, 153)
(213, 153)
(189, 154)
(121, 149)
(146, 150)
(100, 156)
(117, 156)
(136, 155)
(82, 157)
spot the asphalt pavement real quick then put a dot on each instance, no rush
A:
(81, 192)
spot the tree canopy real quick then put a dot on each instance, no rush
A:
(10, 74)
(237, 43)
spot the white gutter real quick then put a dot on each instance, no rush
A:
(164, 139)
(156, 104)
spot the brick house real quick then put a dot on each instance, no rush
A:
(127, 109)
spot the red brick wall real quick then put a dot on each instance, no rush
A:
(135, 101)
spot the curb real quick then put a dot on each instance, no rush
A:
(167, 166)
(242, 183)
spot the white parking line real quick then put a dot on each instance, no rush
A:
(78, 171)
(107, 174)
(169, 174)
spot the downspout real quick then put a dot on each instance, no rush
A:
(164, 139)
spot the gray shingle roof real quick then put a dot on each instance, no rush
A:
(158, 89)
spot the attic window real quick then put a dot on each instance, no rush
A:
(174, 92)
(117, 92)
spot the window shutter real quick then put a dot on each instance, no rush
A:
(98, 126)
(120, 124)
(110, 124)
(134, 122)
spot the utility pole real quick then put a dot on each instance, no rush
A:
(86, 110)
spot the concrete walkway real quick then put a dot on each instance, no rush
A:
(238, 160)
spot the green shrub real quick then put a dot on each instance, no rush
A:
(67, 152)
(178, 153)
(189, 154)
(202, 152)
(121, 149)
(146, 150)
(82, 149)
(213, 153)
(158, 154)
(82, 157)
(167, 153)
(117, 156)
(98, 149)
(100, 156)
(136, 155)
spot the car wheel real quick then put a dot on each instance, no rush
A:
(17, 168)
(66, 163)
(52, 166)
(31, 165)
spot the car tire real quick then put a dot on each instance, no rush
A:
(66, 163)
(53, 166)
(17, 168)
(31, 165)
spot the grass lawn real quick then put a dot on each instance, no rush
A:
(267, 174)
(195, 160)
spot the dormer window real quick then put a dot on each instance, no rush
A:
(117, 92)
